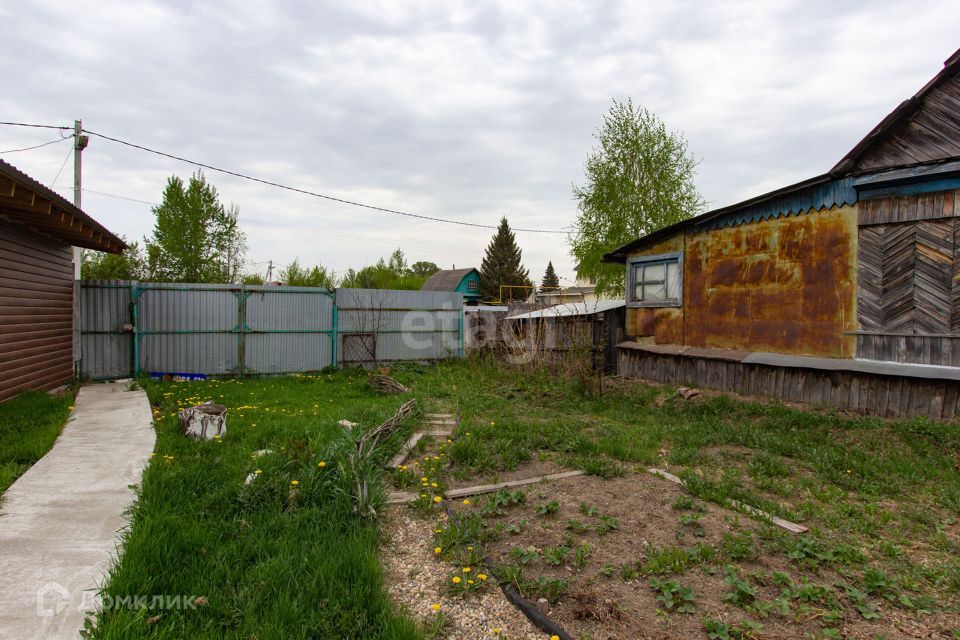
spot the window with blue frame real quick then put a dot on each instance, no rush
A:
(655, 281)
(473, 286)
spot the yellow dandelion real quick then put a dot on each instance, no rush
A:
(496, 630)
(466, 569)
(456, 580)
(437, 550)
(437, 499)
(469, 581)
(434, 484)
(482, 577)
(294, 483)
(466, 501)
(435, 606)
(554, 637)
(424, 479)
(321, 464)
(258, 472)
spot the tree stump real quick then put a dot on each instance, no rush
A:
(203, 421)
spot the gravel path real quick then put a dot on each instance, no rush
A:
(416, 581)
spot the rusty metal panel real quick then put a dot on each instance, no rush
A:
(36, 312)
(785, 285)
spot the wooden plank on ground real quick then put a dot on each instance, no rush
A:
(405, 450)
(792, 527)
(490, 488)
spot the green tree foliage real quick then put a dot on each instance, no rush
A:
(296, 276)
(195, 238)
(252, 278)
(390, 273)
(129, 265)
(639, 178)
(424, 269)
(502, 266)
(550, 282)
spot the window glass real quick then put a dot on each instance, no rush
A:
(657, 280)
(673, 282)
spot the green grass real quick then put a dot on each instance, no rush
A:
(29, 425)
(877, 494)
(270, 564)
(276, 566)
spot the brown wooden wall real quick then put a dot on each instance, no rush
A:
(785, 285)
(908, 284)
(36, 312)
(864, 393)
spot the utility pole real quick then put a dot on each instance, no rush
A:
(269, 272)
(80, 142)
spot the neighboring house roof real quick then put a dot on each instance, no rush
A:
(570, 309)
(920, 131)
(27, 202)
(446, 279)
(489, 308)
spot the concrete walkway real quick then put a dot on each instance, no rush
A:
(59, 521)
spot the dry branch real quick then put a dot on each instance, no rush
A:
(385, 385)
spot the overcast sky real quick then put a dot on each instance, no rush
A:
(462, 110)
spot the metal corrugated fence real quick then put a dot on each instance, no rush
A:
(128, 328)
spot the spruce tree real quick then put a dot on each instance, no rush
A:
(502, 266)
(550, 282)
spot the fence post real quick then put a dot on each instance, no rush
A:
(135, 311)
(242, 329)
(334, 336)
(460, 328)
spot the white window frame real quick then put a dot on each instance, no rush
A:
(661, 258)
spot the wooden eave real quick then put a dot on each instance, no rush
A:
(24, 205)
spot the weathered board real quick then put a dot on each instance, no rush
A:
(856, 391)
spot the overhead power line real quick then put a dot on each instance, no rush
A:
(306, 191)
(36, 146)
(35, 126)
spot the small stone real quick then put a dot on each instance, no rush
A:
(543, 605)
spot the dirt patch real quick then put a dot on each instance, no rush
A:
(593, 545)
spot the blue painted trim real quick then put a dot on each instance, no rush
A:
(835, 193)
(943, 184)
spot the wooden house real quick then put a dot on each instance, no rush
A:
(38, 230)
(466, 281)
(843, 289)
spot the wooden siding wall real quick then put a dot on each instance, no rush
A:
(885, 396)
(908, 291)
(785, 285)
(36, 312)
(931, 133)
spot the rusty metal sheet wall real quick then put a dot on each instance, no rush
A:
(36, 312)
(785, 285)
